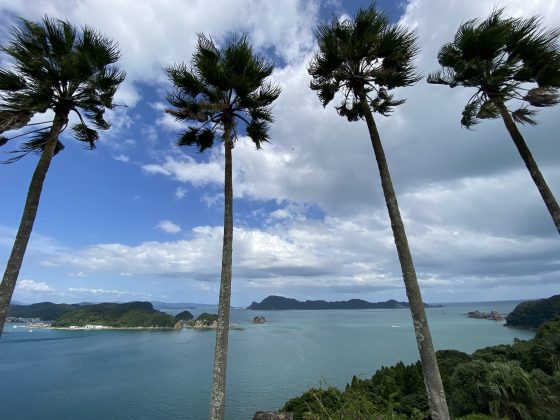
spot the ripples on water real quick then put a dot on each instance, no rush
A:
(61, 374)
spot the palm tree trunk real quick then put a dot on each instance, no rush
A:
(26, 224)
(532, 166)
(218, 398)
(432, 379)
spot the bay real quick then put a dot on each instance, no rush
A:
(150, 374)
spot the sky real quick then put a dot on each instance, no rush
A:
(141, 219)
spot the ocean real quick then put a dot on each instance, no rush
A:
(61, 374)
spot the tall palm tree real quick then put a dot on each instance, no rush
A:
(58, 68)
(364, 59)
(223, 89)
(504, 59)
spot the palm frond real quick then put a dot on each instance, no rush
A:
(83, 133)
(542, 96)
(257, 130)
(470, 113)
(36, 144)
(201, 138)
(524, 116)
(10, 81)
(487, 111)
(10, 120)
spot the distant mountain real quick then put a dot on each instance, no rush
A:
(282, 303)
(46, 311)
(17, 302)
(533, 313)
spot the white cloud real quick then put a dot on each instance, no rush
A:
(168, 226)
(180, 193)
(348, 256)
(84, 291)
(122, 158)
(187, 169)
(33, 286)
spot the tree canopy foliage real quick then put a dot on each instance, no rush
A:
(533, 313)
(501, 57)
(132, 314)
(57, 67)
(518, 381)
(365, 55)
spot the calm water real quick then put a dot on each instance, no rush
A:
(50, 374)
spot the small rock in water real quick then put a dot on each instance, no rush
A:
(259, 320)
(273, 415)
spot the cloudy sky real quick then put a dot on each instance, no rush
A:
(140, 219)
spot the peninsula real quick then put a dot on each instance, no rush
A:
(116, 315)
(533, 313)
(95, 316)
(282, 303)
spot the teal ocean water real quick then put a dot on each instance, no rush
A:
(53, 374)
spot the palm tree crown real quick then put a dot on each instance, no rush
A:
(60, 68)
(366, 54)
(500, 57)
(223, 88)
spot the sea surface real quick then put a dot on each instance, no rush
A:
(56, 374)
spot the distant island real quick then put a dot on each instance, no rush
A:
(492, 315)
(281, 303)
(117, 315)
(97, 316)
(203, 321)
(533, 313)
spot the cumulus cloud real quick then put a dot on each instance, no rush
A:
(334, 256)
(168, 226)
(33, 286)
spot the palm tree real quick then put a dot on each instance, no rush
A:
(364, 59)
(502, 58)
(223, 89)
(57, 68)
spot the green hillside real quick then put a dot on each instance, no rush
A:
(533, 313)
(132, 314)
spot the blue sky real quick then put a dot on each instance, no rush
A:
(139, 219)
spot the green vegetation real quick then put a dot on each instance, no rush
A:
(518, 381)
(131, 315)
(206, 318)
(45, 311)
(533, 313)
(184, 316)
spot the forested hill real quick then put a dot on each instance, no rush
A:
(132, 314)
(46, 311)
(282, 303)
(533, 313)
